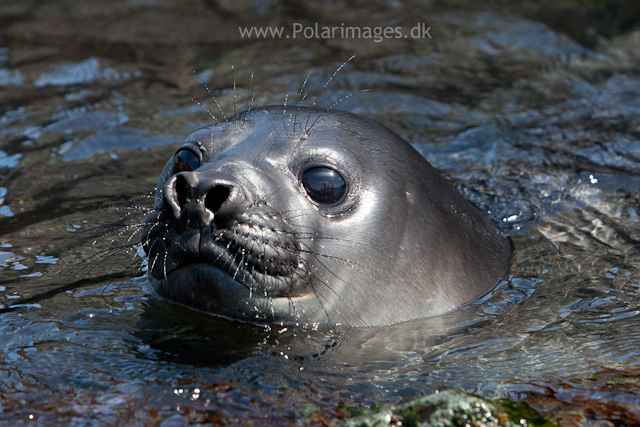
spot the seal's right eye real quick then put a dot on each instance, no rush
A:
(324, 185)
(186, 161)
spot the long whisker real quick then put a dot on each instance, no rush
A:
(315, 102)
(249, 104)
(235, 95)
(331, 78)
(301, 96)
(202, 82)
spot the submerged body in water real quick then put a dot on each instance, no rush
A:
(311, 215)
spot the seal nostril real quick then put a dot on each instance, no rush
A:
(216, 197)
(182, 190)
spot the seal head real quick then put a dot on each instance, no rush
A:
(313, 216)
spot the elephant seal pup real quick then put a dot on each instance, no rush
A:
(313, 216)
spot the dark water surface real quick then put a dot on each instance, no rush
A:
(533, 112)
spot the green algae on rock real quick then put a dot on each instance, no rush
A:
(452, 409)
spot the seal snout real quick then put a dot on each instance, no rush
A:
(193, 201)
(209, 218)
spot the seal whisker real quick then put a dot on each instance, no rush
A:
(316, 236)
(239, 264)
(89, 264)
(334, 292)
(301, 234)
(330, 108)
(249, 102)
(301, 96)
(266, 199)
(252, 292)
(130, 206)
(292, 249)
(334, 258)
(136, 230)
(311, 236)
(284, 107)
(331, 78)
(315, 292)
(295, 119)
(128, 272)
(298, 216)
(116, 255)
(322, 91)
(326, 300)
(275, 131)
(155, 259)
(235, 95)
(157, 226)
(229, 259)
(215, 120)
(287, 292)
(164, 264)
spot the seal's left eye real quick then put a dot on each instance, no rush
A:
(186, 161)
(324, 185)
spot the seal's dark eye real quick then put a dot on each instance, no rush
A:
(186, 161)
(324, 185)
